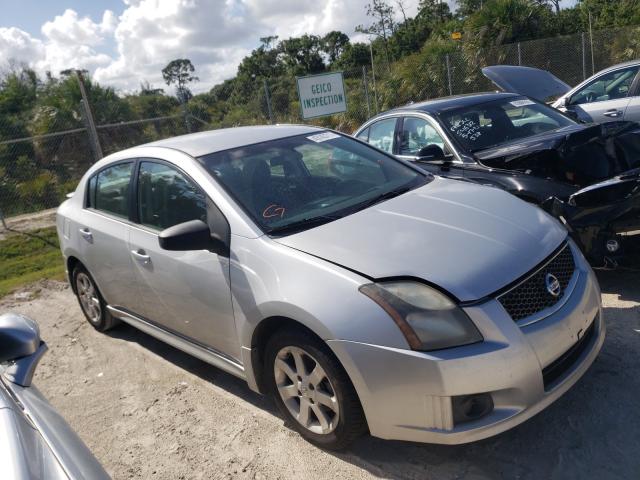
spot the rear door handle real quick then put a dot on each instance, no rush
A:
(613, 113)
(86, 234)
(141, 256)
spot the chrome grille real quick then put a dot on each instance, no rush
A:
(531, 295)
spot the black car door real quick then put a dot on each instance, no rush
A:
(413, 133)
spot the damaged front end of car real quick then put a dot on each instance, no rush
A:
(596, 171)
(604, 219)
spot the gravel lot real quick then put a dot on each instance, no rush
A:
(147, 410)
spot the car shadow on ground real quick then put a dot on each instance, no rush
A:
(590, 432)
(193, 365)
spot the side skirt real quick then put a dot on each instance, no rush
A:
(205, 354)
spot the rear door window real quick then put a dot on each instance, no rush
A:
(109, 190)
(381, 134)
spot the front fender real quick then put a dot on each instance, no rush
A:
(272, 280)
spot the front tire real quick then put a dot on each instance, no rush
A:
(312, 390)
(91, 302)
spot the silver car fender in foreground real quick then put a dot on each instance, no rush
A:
(36, 443)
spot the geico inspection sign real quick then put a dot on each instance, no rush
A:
(321, 95)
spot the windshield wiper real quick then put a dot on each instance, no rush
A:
(384, 196)
(303, 224)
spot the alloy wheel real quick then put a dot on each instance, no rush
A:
(306, 390)
(88, 295)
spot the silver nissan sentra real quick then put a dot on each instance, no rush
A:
(360, 292)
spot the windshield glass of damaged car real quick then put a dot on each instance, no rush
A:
(307, 179)
(490, 124)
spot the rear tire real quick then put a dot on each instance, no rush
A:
(91, 301)
(312, 390)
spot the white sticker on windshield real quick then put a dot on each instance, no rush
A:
(323, 137)
(467, 129)
(522, 103)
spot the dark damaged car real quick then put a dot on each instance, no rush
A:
(586, 175)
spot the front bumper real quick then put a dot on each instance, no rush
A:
(406, 395)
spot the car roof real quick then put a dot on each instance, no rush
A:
(630, 63)
(211, 141)
(439, 105)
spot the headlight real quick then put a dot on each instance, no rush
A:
(428, 319)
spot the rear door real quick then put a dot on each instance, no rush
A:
(103, 233)
(189, 292)
(605, 98)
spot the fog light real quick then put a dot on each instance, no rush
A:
(471, 407)
(612, 246)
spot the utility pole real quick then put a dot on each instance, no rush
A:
(267, 97)
(88, 118)
(593, 65)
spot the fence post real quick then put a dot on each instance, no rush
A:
(366, 90)
(519, 55)
(584, 57)
(373, 76)
(449, 74)
(185, 114)
(268, 99)
(94, 141)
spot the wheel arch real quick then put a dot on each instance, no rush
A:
(260, 337)
(71, 263)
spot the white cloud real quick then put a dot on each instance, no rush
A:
(18, 45)
(214, 34)
(69, 29)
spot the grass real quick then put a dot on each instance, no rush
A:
(25, 259)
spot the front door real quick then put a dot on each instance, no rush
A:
(415, 133)
(189, 292)
(606, 98)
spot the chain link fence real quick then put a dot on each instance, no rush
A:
(44, 155)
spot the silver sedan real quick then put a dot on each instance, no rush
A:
(360, 292)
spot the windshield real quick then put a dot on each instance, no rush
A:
(299, 182)
(500, 121)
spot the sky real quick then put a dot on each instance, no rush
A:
(124, 43)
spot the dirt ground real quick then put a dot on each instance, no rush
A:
(29, 222)
(147, 410)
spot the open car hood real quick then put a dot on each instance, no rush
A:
(589, 147)
(532, 82)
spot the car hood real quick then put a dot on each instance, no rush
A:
(469, 239)
(619, 140)
(532, 82)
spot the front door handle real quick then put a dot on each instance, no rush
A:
(86, 234)
(613, 113)
(141, 256)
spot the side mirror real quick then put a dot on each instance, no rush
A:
(192, 235)
(20, 347)
(19, 337)
(562, 103)
(431, 152)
